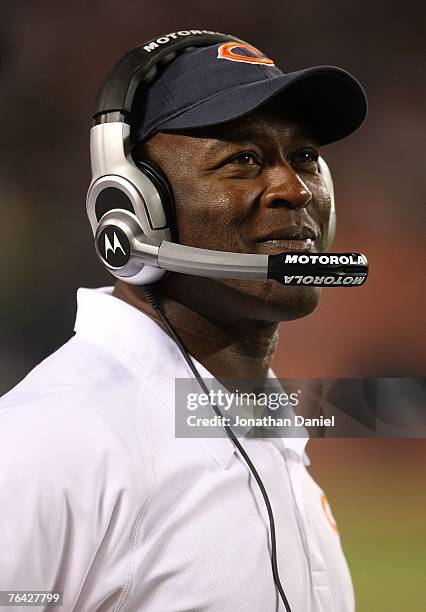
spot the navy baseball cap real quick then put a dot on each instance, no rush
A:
(219, 83)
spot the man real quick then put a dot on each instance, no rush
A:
(100, 499)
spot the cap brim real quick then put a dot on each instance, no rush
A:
(331, 102)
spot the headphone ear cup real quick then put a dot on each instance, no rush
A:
(161, 183)
(325, 172)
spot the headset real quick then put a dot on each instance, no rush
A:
(130, 204)
(131, 211)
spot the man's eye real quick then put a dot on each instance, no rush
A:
(305, 157)
(247, 158)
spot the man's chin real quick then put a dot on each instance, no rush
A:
(237, 300)
(270, 301)
(302, 303)
(290, 303)
(278, 303)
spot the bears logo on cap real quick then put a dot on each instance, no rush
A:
(226, 51)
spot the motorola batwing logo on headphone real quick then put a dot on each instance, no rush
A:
(114, 246)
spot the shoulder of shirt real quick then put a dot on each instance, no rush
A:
(77, 410)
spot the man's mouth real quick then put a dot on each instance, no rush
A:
(290, 244)
(301, 239)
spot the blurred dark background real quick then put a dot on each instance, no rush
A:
(53, 59)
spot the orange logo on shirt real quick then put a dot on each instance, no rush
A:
(328, 512)
(226, 51)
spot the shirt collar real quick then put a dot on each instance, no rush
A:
(152, 356)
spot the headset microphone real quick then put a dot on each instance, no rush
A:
(125, 251)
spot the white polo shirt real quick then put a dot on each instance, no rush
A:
(100, 500)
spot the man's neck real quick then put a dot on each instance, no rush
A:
(227, 348)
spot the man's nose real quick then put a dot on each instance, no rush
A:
(286, 188)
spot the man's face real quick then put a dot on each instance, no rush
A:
(248, 186)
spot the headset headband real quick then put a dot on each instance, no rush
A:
(140, 66)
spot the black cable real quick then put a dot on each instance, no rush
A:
(155, 303)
